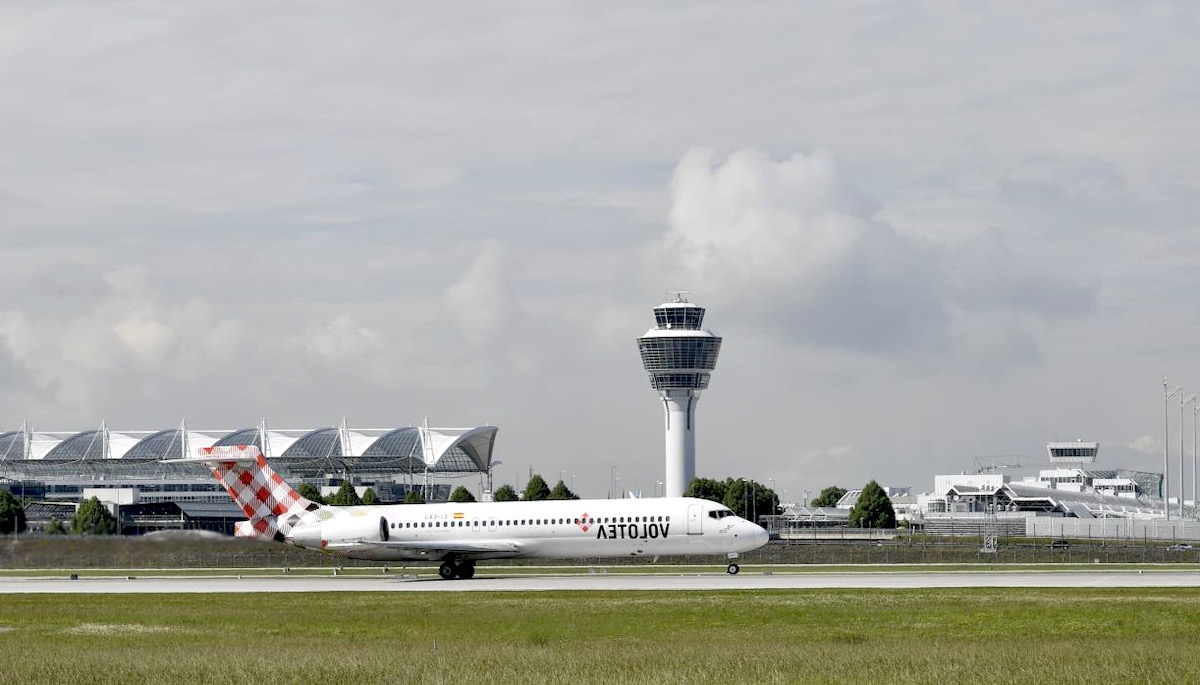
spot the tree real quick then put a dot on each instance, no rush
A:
(536, 489)
(461, 494)
(707, 488)
(310, 493)
(829, 497)
(55, 527)
(746, 498)
(561, 491)
(873, 509)
(93, 518)
(12, 514)
(414, 497)
(505, 493)
(750, 499)
(345, 496)
(369, 496)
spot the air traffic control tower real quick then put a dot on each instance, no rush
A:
(679, 356)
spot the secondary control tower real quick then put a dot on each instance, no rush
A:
(680, 356)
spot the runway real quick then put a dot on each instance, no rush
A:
(547, 583)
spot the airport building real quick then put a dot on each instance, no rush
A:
(127, 469)
(1072, 498)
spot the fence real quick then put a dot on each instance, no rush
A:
(1114, 529)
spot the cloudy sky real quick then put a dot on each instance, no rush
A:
(928, 232)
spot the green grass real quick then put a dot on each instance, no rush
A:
(817, 636)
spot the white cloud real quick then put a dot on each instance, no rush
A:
(788, 245)
(480, 301)
(1146, 444)
(343, 339)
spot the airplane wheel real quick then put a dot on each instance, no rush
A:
(447, 570)
(466, 570)
(733, 569)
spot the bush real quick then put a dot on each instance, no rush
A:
(12, 514)
(93, 518)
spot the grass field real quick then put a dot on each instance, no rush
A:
(825, 636)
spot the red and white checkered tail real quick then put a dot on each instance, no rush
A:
(258, 490)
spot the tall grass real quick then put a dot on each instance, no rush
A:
(805, 636)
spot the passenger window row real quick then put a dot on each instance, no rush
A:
(532, 522)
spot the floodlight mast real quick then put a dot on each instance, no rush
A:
(1166, 484)
(1182, 401)
(1195, 410)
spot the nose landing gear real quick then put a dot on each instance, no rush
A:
(733, 568)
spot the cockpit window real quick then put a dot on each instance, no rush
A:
(719, 513)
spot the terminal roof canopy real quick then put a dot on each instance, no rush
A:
(408, 449)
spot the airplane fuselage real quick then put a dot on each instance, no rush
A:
(546, 529)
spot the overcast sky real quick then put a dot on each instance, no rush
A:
(928, 232)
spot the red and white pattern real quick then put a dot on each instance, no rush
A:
(258, 490)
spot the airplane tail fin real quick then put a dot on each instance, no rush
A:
(261, 492)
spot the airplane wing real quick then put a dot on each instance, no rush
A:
(497, 549)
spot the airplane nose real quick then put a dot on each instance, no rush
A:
(760, 536)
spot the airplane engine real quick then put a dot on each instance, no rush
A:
(342, 529)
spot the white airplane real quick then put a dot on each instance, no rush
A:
(459, 534)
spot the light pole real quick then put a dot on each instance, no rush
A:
(657, 486)
(491, 467)
(1195, 410)
(1182, 401)
(573, 482)
(612, 481)
(774, 498)
(1166, 485)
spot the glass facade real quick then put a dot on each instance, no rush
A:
(405, 444)
(402, 446)
(667, 381)
(245, 436)
(166, 444)
(12, 445)
(89, 445)
(687, 317)
(669, 354)
(321, 443)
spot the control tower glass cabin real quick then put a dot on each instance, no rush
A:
(679, 356)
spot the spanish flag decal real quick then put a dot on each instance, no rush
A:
(458, 514)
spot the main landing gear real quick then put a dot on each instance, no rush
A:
(450, 570)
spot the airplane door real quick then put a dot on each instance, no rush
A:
(695, 521)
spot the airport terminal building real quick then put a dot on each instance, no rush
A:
(126, 467)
